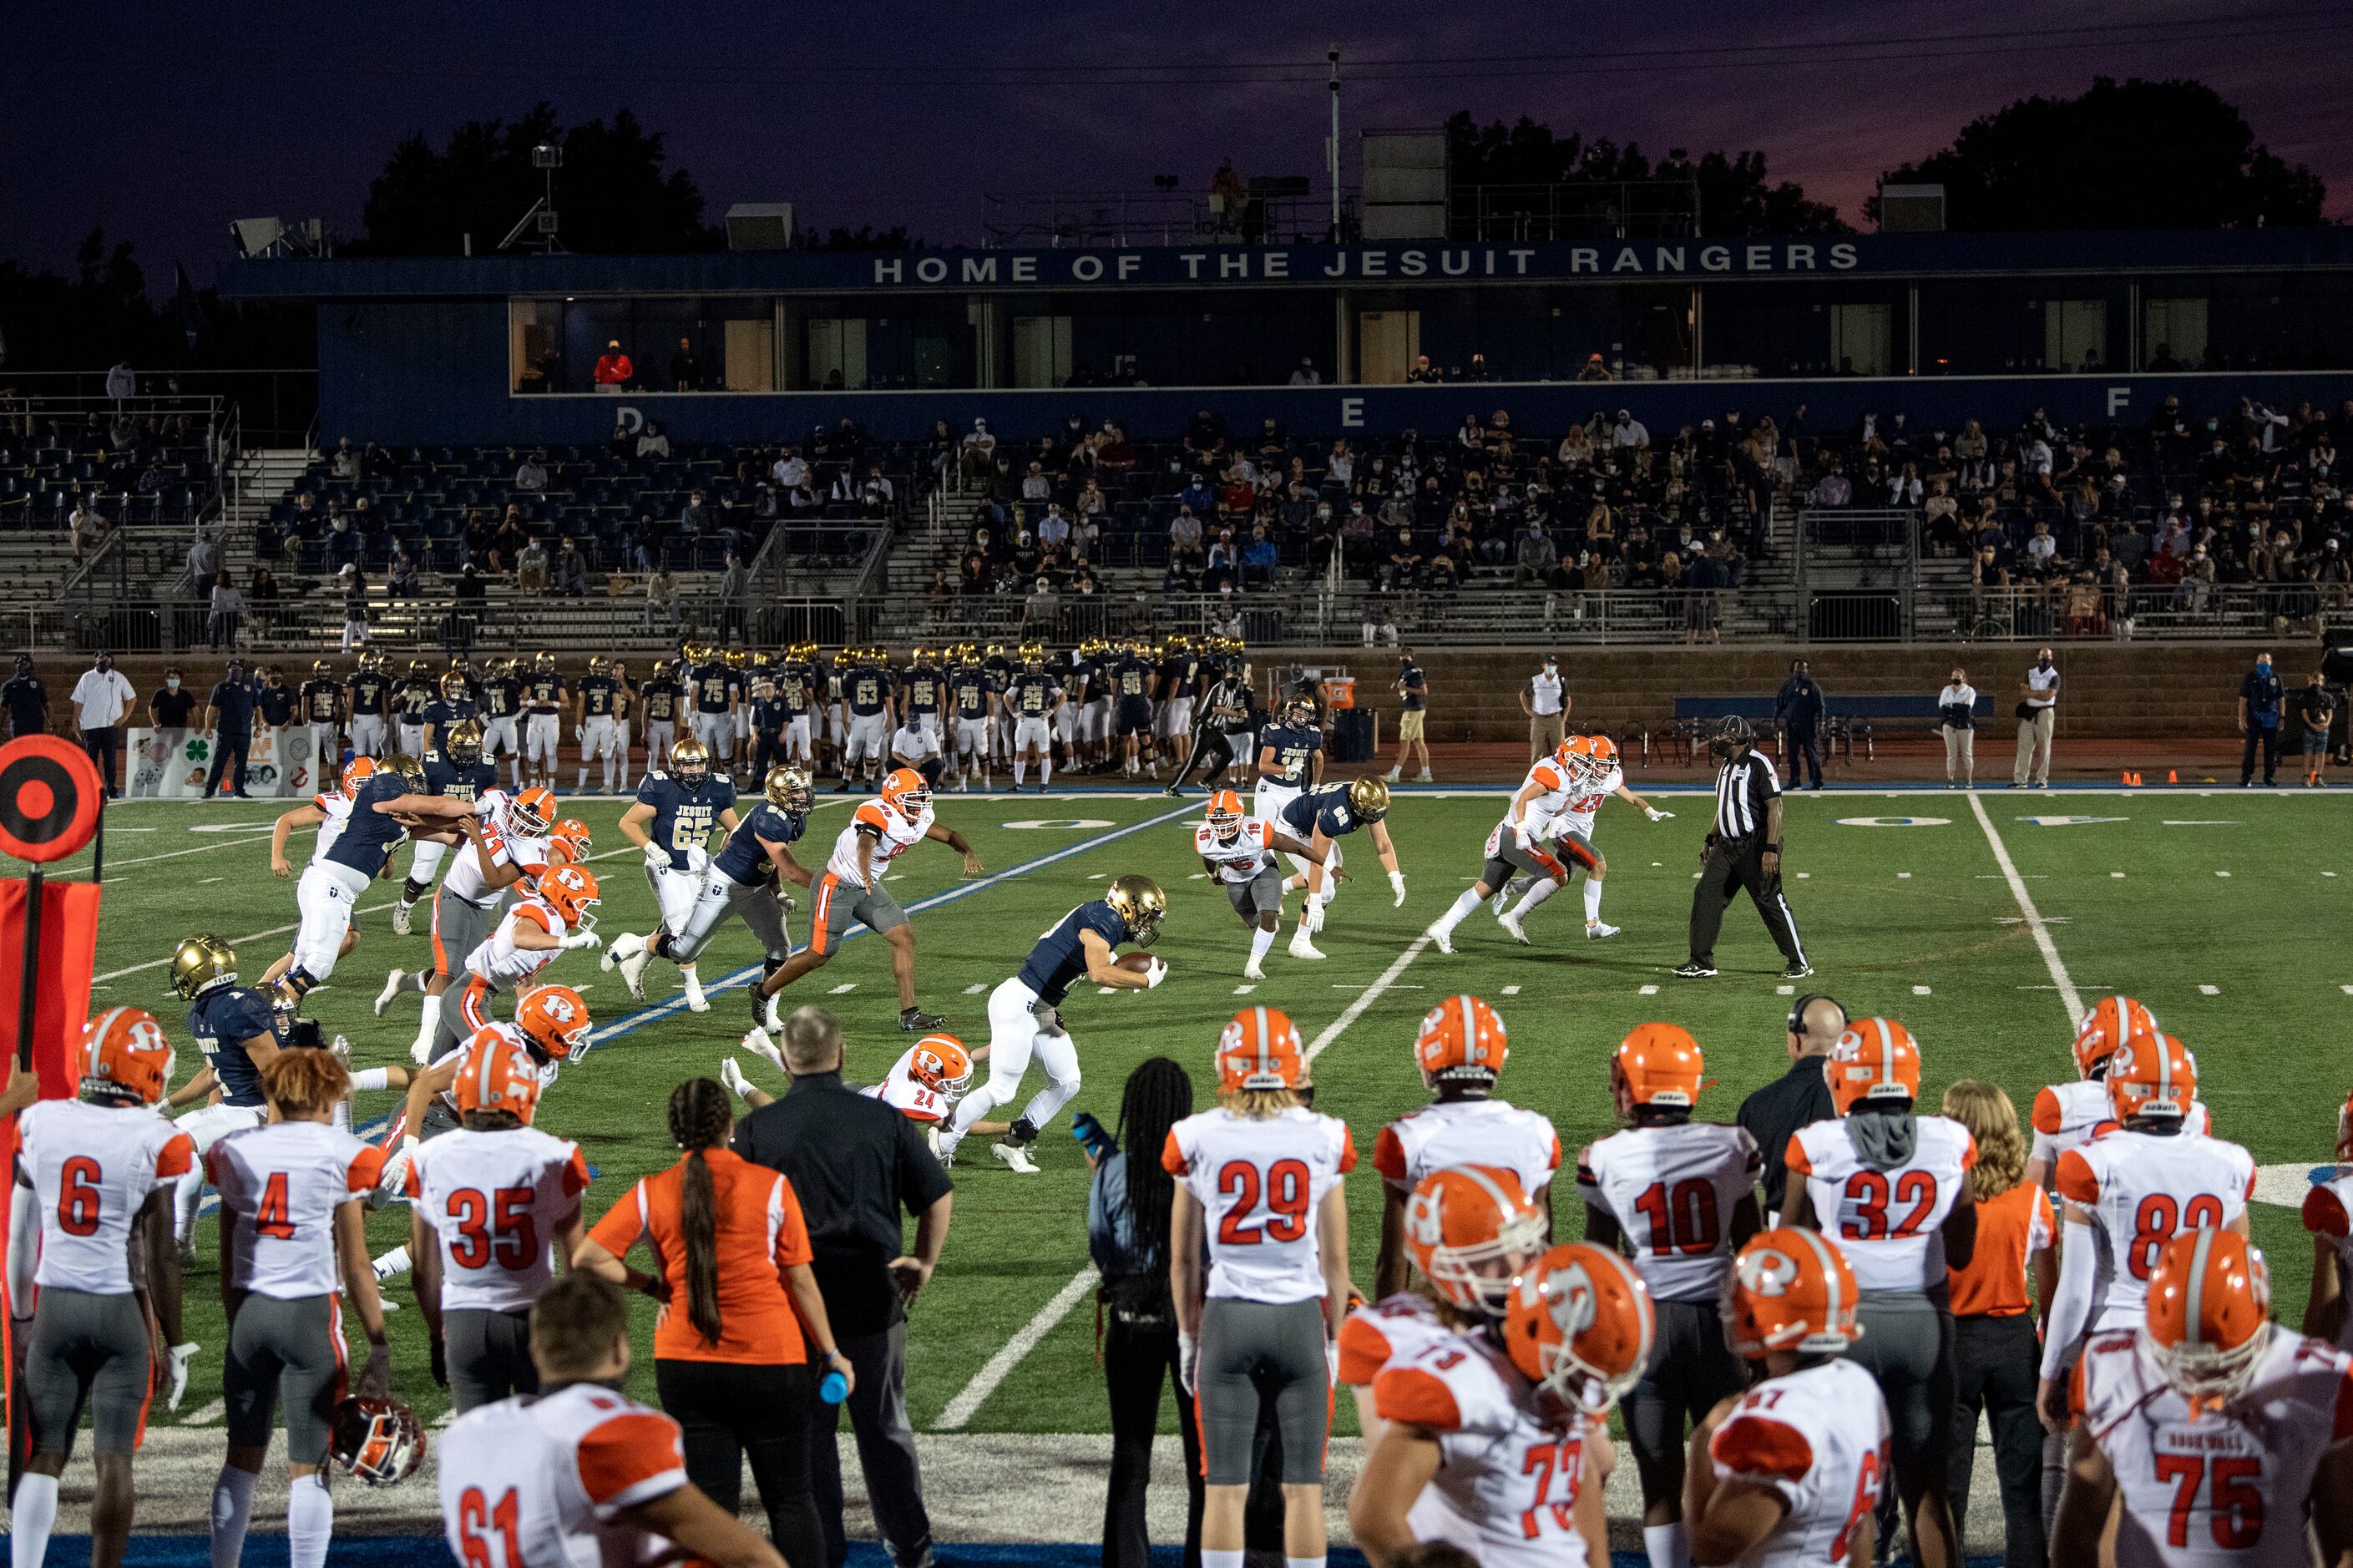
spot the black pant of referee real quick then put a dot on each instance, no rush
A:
(1747, 830)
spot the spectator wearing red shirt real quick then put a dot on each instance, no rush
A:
(614, 371)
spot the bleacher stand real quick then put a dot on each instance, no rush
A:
(109, 468)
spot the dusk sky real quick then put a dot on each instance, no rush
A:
(163, 122)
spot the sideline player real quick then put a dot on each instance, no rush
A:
(543, 722)
(2329, 1215)
(1033, 697)
(551, 1023)
(1320, 819)
(1025, 1013)
(368, 701)
(869, 709)
(1241, 857)
(851, 890)
(596, 722)
(742, 882)
(100, 1168)
(671, 820)
(321, 699)
(2070, 1115)
(662, 696)
(973, 700)
(456, 769)
(501, 699)
(1790, 1471)
(1132, 682)
(479, 1262)
(413, 696)
(1682, 1195)
(2222, 1433)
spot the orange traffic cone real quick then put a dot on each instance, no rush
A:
(2171, 776)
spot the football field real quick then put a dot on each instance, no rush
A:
(1983, 922)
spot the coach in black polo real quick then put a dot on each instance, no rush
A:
(856, 1164)
(1743, 850)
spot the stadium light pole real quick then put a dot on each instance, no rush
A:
(1333, 154)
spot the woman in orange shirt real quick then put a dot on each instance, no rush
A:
(739, 1309)
(1997, 1352)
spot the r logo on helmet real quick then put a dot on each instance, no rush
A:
(1765, 1272)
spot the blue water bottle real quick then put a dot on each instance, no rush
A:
(833, 1388)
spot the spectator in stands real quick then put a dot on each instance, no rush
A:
(685, 370)
(1035, 485)
(530, 568)
(2042, 551)
(1423, 372)
(509, 542)
(614, 370)
(653, 441)
(531, 474)
(571, 570)
(26, 700)
(87, 527)
(1834, 490)
(1260, 557)
(661, 599)
(262, 595)
(1053, 529)
(346, 462)
(1405, 562)
(1306, 374)
(101, 698)
(734, 600)
(1703, 582)
(154, 476)
(1629, 433)
(122, 384)
(226, 611)
(355, 608)
(203, 561)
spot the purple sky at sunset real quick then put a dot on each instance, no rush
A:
(163, 122)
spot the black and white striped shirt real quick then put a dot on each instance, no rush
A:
(1744, 788)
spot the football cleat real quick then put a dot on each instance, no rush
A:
(391, 989)
(1596, 930)
(400, 918)
(1797, 969)
(619, 948)
(1501, 902)
(1303, 947)
(916, 1021)
(1438, 934)
(1015, 1156)
(696, 1002)
(1252, 971)
(633, 970)
(1511, 923)
(1694, 970)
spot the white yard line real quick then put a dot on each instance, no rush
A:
(2051, 961)
(1372, 993)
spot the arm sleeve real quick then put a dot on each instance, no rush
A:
(1418, 1398)
(2070, 1304)
(630, 1458)
(1765, 1453)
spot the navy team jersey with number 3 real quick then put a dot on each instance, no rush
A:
(684, 814)
(1060, 959)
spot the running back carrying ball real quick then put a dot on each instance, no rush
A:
(1136, 962)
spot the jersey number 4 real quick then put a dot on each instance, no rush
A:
(1284, 1191)
(478, 1518)
(2235, 1498)
(497, 1227)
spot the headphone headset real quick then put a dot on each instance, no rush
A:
(1798, 1010)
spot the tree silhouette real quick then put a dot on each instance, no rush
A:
(2143, 155)
(1735, 196)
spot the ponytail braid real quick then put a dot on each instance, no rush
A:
(699, 1121)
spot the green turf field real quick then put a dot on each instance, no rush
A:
(2222, 912)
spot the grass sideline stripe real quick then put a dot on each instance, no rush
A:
(2051, 961)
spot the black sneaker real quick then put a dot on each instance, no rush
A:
(914, 1020)
(1695, 970)
(1022, 1133)
(1173, 793)
(1797, 970)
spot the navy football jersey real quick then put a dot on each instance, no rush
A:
(413, 696)
(322, 700)
(1180, 676)
(713, 684)
(596, 692)
(369, 692)
(222, 1019)
(684, 814)
(1060, 959)
(1294, 747)
(501, 697)
(445, 713)
(1131, 676)
(1031, 695)
(460, 781)
(968, 690)
(793, 691)
(1326, 808)
(741, 859)
(542, 691)
(924, 688)
(661, 696)
(867, 691)
(370, 836)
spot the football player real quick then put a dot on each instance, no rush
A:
(458, 770)
(501, 690)
(1893, 1188)
(1791, 1471)
(98, 1180)
(869, 710)
(1240, 855)
(2070, 1115)
(504, 847)
(478, 1263)
(852, 891)
(1289, 761)
(329, 811)
(925, 1085)
(2221, 1433)
(743, 882)
(453, 702)
(671, 820)
(1259, 1201)
(662, 696)
(595, 720)
(543, 720)
(556, 914)
(413, 696)
(1025, 1013)
(1033, 697)
(2130, 1191)
(1496, 1440)
(322, 698)
(924, 690)
(1602, 775)
(973, 699)
(1180, 682)
(369, 692)
(1683, 1196)
(1320, 819)
(1133, 682)
(2329, 1215)
(1460, 1050)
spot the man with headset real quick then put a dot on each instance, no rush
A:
(1799, 1098)
(1743, 850)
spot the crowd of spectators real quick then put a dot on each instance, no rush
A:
(92, 472)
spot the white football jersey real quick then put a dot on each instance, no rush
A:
(2328, 1214)
(1469, 1133)
(2229, 1488)
(513, 1036)
(1260, 1182)
(535, 1482)
(2144, 1190)
(337, 805)
(1507, 1483)
(92, 1167)
(1252, 851)
(495, 1201)
(2070, 1115)
(912, 1097)
(500, 962)
(1578, 815)
(284, 1182)
(1673, 1190)
(1820, 1439)
(895, 836)
(1554, 792)
(1394, 1329)
(464, 877)
(1887, 1221)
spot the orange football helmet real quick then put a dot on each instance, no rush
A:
(555, 1019)
(1225, 815)
(1874, 1059)
(2210, 1307)
(1460, 1039)
(1260, 1049)
(905, 793)
(497, 1074)
(125, 1056)
(1658, 1064)
(1790, 1290)
(1603, 750)
(1472, 1230)
(1580, 1327)
(571, 891)
(2151, 1075)
(531, 812)
(2111, 1021)
(357, 771)
(941, 1064)
(568, 840)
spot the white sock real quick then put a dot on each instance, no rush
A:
(187, 1196)
(343, 1117)
(1592, 900)
(370, 1078)
(310, 1522)
(1221, 1559)
(430, 1022)
(33, 1514)
(392, 1263)
(1261, 940)
(1545, 888)
(581, 787)
(1669, 1545)
(1464, 902)
(232, 1507)
(1021, 771)
(1045, 773)
(1317, 1562)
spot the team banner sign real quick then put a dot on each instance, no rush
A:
(173, 764)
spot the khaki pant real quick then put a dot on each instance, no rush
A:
(1544, 732)
(1961, 754)
(2035, 747)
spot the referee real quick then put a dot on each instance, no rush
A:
(1743, 850)
(1221, 732)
